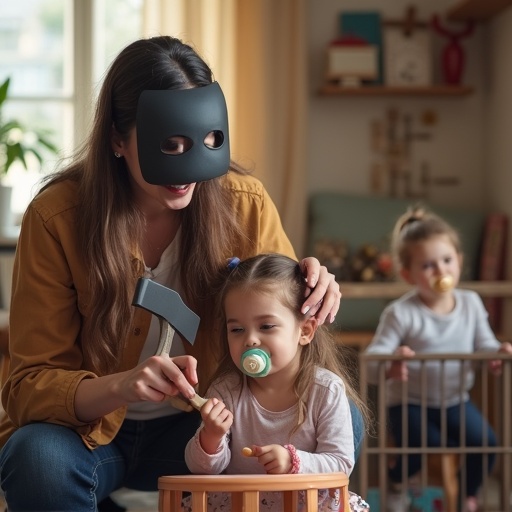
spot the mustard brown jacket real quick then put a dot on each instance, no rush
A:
(49, 301)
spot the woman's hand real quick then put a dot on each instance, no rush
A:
(152, 380)
(158, 377)
(325, 296)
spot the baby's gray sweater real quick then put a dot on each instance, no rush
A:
(407, 321)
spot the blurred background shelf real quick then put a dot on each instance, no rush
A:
(434, 90)
(478, 10)
(393, 290)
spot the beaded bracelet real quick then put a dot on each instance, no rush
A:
(295, 459)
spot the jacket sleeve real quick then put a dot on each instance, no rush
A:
(45, 322)
(202, 463)
(387, 338)
(485, 339)
(334, 434)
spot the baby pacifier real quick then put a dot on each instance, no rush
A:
(255, 362)
(443, 284)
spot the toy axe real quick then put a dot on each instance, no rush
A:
(173, 315)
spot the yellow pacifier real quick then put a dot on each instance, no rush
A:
(443, 284)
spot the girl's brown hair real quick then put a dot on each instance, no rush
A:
(282, 277)
(415, 225)
(109, 224)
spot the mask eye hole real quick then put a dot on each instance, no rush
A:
(214, 139)
(176, 145)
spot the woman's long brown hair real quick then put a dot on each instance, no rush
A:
(109, 223)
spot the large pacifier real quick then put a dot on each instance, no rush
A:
(443, 284)
(255, 362)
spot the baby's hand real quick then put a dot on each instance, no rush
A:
(217, 421)
(398, 369)
(496, 364)
(276, 459)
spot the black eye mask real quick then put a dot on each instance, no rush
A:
(164, 115)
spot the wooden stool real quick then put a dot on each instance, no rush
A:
(245, 490)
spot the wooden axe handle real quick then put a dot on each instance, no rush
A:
(164, 349)
(166, 336)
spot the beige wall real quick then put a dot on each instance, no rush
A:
(339, 133)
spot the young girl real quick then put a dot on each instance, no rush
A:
(278, 402)
(434, 317)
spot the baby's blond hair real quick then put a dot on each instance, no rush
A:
(415, 225)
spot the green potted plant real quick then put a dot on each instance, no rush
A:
(16, 142)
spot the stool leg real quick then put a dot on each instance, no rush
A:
(199, 501)
(290, 501)
(251, 501)
(237, 500)
(312, 500)
(344, 497)
(164, 501)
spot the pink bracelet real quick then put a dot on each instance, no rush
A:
(295, 459)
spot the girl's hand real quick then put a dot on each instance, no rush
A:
(324, 299)
(398, 369)
(274, 458)
(217, 421)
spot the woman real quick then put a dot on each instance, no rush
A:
(152, 193)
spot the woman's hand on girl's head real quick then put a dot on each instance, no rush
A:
(325, 296)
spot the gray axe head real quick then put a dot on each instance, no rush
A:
(167, 304)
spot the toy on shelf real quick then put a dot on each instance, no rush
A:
(453, 57)
(369, 263)
(350, 61)
(407, 51)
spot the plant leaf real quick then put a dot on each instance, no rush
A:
(3, 91)
(14, 152)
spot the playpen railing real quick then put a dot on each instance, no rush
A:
(492, 395)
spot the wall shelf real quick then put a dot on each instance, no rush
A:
(477, 10)
(393, 290)
(370, 90)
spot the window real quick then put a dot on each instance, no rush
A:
(56, 52)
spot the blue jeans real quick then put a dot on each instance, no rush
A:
(357, 427)
(59, 473)
(474, 425)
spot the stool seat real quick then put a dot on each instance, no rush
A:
(245, 490)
